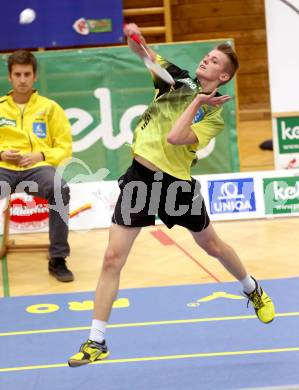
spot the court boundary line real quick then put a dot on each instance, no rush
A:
(139, 324)
(159, 358)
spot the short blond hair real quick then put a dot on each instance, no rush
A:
(233, 64)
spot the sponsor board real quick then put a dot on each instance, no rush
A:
(231, 196)
(281, 195)
(245, 196)
(86, 26)
(288, 134)
(286, 140)
(92, 204)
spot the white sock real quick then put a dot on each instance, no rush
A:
(97, 331)
(248, 284)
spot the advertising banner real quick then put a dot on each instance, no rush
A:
(286, 140)
(60, 23)
(231, 196)
(281, 195)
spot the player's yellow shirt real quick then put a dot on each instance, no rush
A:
(150, 136)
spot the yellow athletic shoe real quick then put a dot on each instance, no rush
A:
(262, 303)
(89, 352)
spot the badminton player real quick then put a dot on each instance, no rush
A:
(181, 120)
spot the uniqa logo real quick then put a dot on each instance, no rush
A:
(231, 200)
(285, 193)
(229, 190)
(289, 133)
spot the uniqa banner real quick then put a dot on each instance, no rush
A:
(105, 90)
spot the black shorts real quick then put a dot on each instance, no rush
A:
(145, 194)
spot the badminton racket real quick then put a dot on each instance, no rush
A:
(151, 65)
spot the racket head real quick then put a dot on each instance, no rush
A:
(159, 71)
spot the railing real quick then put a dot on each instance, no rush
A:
(164, 10)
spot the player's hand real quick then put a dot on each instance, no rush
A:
(132, 29)
(11, 156)
(213, 100)
(29, 159)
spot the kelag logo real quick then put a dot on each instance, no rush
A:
(231, 196)
(281, 195)
(288, 134)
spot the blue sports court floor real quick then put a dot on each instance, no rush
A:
(182, 337)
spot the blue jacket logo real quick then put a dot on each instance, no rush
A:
(40, 129)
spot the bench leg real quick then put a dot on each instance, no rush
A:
(5, 238)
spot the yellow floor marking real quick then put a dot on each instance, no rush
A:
(219, 294)
(156, 358)
(137, 324)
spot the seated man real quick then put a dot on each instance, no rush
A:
(35, 138)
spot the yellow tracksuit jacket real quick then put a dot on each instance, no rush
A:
(41, 127)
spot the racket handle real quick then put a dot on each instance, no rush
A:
(135, 38)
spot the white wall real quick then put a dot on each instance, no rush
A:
(282, 24)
